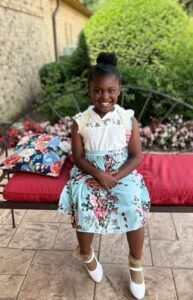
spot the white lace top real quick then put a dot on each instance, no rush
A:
(106, 133)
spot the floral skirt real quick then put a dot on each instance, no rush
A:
(122, 208)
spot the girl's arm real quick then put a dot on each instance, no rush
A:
(78, 153)
(135, 152)
(105, 179)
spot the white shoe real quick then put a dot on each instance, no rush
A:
(96, 274)
(137, 289)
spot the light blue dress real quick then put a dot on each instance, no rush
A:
(122, 208)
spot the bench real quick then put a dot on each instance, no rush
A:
(169, 179)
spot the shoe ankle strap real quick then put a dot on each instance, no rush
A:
(135, 269)
(90, 259)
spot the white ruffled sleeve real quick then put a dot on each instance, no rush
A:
(77, 119)
(130, 114)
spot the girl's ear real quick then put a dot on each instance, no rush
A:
(88, 89)
(119, 91)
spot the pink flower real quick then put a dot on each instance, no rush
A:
(101, 201)
(93, 200)
(107, 165)
(32, 125)
(96, 212)
(99, 213)
(147, 130)
(40, 146)
(102, 212)
(11, 160)
(44, 138)
(56, 167)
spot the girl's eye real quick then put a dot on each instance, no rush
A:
(97, 91)
(111, 91)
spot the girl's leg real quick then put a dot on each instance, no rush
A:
(135, 240)
(85, 240)
(86, 254)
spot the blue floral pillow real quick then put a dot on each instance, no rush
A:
(40, 153)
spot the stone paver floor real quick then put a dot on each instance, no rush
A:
(36, 260)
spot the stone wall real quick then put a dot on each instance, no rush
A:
(26, 44)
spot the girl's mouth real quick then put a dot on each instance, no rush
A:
(105, 103)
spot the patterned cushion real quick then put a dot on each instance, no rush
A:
(43, 154)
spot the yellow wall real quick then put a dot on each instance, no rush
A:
(69, 24)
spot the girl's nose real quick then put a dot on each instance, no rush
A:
(105, 95)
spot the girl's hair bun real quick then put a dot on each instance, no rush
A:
(106, 65)
(107, 58)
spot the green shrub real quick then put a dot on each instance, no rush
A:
(58, 78)
(153, 41)
(63, 101)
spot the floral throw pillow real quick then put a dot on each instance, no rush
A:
(40, 153)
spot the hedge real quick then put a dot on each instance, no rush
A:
(153, 41)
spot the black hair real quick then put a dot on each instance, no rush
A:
(106, 65)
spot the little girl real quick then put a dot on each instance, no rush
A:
(105, 193)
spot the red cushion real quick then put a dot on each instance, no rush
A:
(169, 177)
(37, 188)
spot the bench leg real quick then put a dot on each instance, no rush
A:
(13, 218)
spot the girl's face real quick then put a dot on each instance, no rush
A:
(104, 91)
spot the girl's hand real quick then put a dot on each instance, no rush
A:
(94, 184)
(105, 180)
(115, 174)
